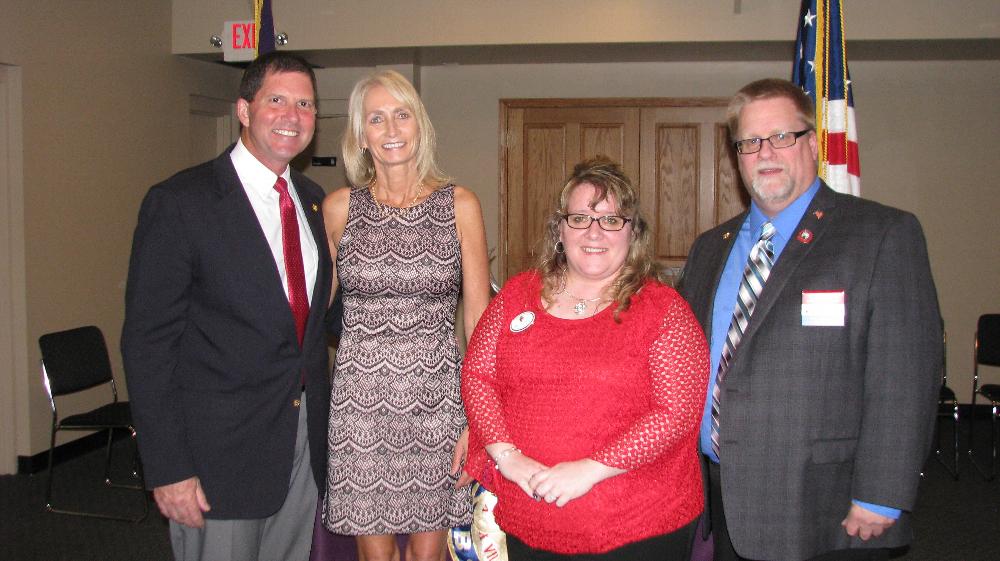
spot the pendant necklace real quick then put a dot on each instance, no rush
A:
(581, 306)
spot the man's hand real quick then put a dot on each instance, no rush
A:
(865, 524)
(183, 502)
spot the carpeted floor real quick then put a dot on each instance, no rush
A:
(954, 520)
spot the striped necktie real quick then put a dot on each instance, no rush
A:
(755, 274)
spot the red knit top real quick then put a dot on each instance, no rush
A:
(628, 395)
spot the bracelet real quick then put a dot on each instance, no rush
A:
(504, 454)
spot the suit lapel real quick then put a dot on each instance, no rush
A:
(808, 233)
(718, 253)
(311, 208)
(248, 247)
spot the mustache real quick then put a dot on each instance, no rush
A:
(769, 165)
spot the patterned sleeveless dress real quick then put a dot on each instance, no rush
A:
(396, 409)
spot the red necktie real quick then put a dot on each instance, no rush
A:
(298, 300)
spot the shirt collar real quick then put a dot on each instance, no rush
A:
(788, 219)
(256, 177)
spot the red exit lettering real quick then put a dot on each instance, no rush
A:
(244, 35)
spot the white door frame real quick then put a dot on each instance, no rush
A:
(14, 370)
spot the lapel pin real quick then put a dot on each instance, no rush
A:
(805, 236)
(315, 208)
(726, 235)
(818, 214)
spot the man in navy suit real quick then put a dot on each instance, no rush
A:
(224, 339)
(815, 437)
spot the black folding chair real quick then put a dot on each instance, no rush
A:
(987, 351)
(77, 360)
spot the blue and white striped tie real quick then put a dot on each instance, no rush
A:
(755, 274)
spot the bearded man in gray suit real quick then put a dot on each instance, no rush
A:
(821, 308)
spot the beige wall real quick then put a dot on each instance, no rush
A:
(927, 134)
(105, 115)
(927, 140)
(340, 24)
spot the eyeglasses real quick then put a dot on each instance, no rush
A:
(780, 140)
(608, 223)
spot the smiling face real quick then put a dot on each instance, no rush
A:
(279, 123)
(390, 130)
(593, 255)
(776, 176)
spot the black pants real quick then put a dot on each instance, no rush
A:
(724, 550)
(675, 546)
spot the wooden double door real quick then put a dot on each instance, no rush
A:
(676, 150)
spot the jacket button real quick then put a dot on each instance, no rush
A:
(296, 402)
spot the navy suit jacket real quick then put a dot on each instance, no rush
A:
(812, 417)
(212, 359)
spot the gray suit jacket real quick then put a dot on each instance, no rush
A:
(812, 417)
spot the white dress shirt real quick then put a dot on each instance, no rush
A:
(258, 182)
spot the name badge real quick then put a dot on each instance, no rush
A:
(823, 308)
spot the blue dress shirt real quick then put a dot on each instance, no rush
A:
(785, 224)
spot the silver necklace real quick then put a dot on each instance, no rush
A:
(581, 306)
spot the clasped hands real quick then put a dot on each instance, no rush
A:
(557, 484)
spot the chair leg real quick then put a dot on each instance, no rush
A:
(991, 473)
(950, 466)
(141, 486)
(954, 432)
(107, 458)
(993, 441)
(107, 473)
(48, 483)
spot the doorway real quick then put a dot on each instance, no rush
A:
(214, 127)
(676, 151)
(13, 331)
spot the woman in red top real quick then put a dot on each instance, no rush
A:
(583, 385)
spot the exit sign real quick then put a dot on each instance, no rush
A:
(239, 41)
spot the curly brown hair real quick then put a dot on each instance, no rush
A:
(612, 184)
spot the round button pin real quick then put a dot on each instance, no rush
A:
(522, 322)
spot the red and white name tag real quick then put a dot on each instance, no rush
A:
(823, 308)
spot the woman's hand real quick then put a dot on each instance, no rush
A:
(458, 459)
(566, 481)
(518, 468)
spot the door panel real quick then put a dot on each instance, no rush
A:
(543, 144)
(677, 152)
(732, 197)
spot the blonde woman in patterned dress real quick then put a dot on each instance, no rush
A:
(406, 242)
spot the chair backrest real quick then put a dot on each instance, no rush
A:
(988, 340)
(75, 359)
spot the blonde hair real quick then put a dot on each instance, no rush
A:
(611, 183)
(358, 163)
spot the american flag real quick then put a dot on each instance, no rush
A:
(821, 71)
(265, 26)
